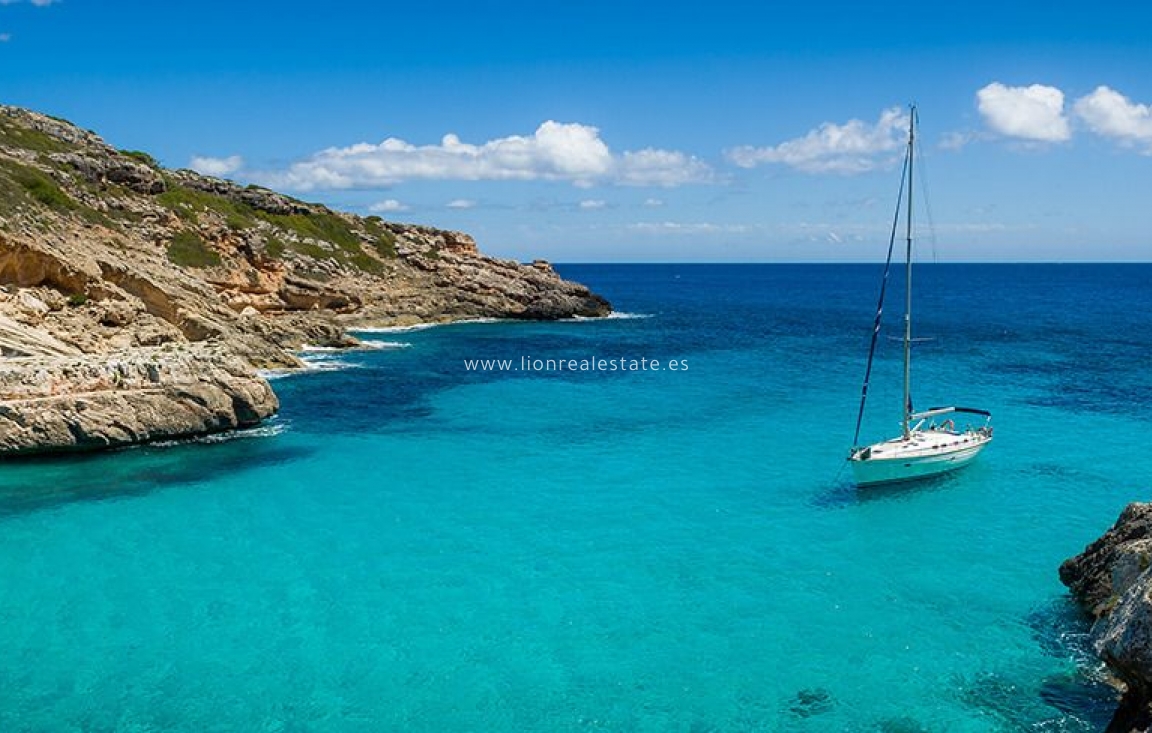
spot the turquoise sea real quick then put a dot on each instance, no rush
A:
(413, 546)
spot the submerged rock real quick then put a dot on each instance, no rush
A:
(1111, 580)
(810, 702)
(900, 725)
(1079, 697)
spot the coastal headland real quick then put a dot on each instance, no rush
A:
(139, 303)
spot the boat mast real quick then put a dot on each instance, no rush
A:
(907, 409)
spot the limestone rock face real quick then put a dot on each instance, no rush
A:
(1107, 567)
(456, 284)
(54, 404)
(116, 168)
(1111, 579)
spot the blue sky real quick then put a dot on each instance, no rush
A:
(631, 131)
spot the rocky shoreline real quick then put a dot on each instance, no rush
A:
(1111, 581)
(137, 303)
(55, 404)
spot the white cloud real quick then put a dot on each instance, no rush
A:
(5, 37)
(686, 228)
(956, 140)
(557, 151)
(667, 168)
(387, 205)
(218, 167)
(590, 204)
(37, 3)
(653, 203)
(1031, 113)
(854, 147)
(1109, 113)
(461, 204)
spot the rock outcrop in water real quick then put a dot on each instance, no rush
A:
(108, 259)
(1112, 580)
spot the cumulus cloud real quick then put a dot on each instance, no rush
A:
(387, 205)
(556, 151)
(590, 204)
(854, 147)
(1110, 114)
(1033, 113)
(218, 167)
(461, 204)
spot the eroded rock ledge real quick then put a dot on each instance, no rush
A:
(71, 403)
(1112, 580)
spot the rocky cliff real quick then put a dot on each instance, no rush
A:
(1112, 581)
(107, 260)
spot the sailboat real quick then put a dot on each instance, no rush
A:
(930, 442)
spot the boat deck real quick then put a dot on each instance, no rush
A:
(924, 443)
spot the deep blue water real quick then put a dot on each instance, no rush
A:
(418, 547)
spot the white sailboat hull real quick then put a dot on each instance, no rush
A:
(924, 454)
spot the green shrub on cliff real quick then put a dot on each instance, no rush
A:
(188, 203)
(142, 157)
(347, 247)
(321, 235)
(188, 249)
(18, 136)
(384, 240)
(274, 247)
(365, 263)
(22, 181)
(328, 227)
(44, 189)
(23, 185)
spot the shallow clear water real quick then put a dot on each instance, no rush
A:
(417, 547)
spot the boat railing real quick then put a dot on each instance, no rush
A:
(949, 425)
